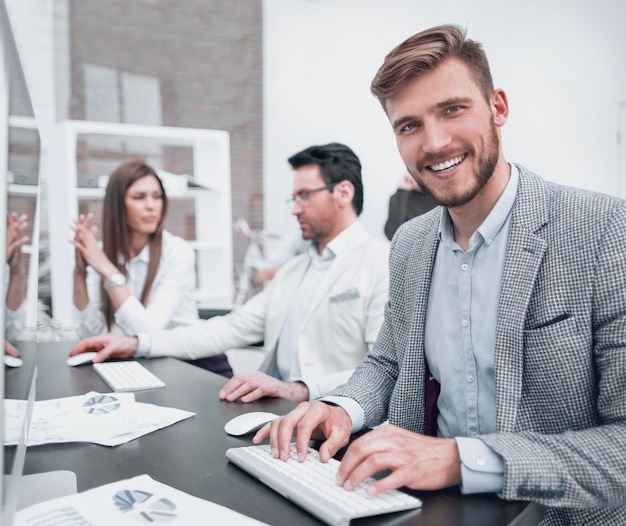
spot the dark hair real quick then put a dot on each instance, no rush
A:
(337, 163)
(115, 232)
(423, 52)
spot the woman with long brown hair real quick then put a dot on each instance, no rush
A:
(142, 278)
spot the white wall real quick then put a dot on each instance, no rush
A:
(562, 63)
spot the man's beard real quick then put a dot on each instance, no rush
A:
(486, 166)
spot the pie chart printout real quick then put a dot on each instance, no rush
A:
(101, 405)
(144, 506)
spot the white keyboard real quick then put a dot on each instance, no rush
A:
(311, 484)
(127, 376)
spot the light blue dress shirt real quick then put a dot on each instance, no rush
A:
(460, 341)
(460, 337)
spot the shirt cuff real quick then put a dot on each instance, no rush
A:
(311, 385)
(17, 314)
(482, 469)
(143, 346)
(129, 315)
(14, 322)
(350, 406)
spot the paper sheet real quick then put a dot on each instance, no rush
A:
(108, 419)
(130, 502)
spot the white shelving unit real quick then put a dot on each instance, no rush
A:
(211, 193)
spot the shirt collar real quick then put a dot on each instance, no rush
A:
(334, 246)
(492, 223)
(143, 256)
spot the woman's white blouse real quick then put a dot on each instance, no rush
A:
(171, 302)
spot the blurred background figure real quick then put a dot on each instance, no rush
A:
(278, 251)
(142, 278)
(408, 202)
(255, 263)
(17, 277)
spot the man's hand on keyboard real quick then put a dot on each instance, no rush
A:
(107, 346)
(251, 386)
(416, 461)
(308, 421)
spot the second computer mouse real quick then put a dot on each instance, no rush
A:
(248, 422)
(12, 361)
(82, 358)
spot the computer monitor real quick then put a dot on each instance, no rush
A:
(14, 99)
(20, 152)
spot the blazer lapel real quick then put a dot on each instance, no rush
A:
(282, 297)
(417, 284)
(413, 370)
(337, 270)
(525, 251)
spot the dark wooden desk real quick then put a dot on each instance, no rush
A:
(190, 455)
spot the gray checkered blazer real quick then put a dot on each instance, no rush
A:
(560, 357)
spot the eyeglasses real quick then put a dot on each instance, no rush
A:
(302, 197)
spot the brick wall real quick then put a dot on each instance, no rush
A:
(207, 56)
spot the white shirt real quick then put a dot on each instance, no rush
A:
(287, 355)
(170, 303)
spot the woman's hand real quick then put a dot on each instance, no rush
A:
(16, 226)
(88, 251)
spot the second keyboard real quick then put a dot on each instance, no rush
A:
(127, 376)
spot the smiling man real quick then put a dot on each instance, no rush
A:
(500, 365)
(320, 314)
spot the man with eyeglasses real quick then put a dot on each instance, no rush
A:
(320, 314)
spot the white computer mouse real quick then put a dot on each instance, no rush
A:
(81, 358)
(248, 423)
(12, 361)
